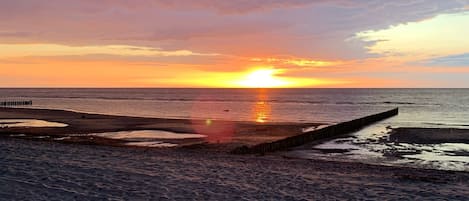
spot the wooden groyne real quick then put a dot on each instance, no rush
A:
(324, 133)
(15, 103)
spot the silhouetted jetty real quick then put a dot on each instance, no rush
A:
(15, 103)
(320, 134)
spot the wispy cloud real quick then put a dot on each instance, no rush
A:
(235, 6)
(46, 50)
(7, 34)
(461, 60)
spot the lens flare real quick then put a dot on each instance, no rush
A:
(204, 113)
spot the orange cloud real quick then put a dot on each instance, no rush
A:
(22, 50)
(297, 62)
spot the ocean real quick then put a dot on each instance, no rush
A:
(422, 108)
(419, 107)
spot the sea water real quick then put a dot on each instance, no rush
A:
(418, 107)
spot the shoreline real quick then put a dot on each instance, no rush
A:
(82, 168)
(81, 124)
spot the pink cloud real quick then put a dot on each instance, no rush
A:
(256, 28)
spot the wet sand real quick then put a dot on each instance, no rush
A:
(234, 133)
(41, 170)
(430, 135)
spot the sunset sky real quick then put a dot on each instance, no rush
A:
(234, 43)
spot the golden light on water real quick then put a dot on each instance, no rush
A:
(262, 110)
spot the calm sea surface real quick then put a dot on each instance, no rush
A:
(418, 108)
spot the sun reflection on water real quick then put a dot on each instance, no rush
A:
(262, 110)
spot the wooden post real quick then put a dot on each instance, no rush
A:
(15, 103)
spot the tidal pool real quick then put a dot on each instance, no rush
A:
(151, 144)
(148, 134)
(7, 123)
(150, 138)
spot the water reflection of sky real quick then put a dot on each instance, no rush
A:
(29, 123)
(370, 145)
(149, 138)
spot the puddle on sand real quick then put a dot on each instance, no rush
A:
(147, 134)
(453, 156)
(17, 135)
(146, 138)
(7, 123)
(313, 128)
(63, 138)
(151, 144)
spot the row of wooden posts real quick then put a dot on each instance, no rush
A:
(320, 134)
(15, 103)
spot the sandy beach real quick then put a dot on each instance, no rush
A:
(43, 170)
(35, 165)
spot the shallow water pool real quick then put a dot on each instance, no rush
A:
(6, 123)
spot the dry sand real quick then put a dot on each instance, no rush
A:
(40, 170)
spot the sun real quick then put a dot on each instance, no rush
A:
(263, 78)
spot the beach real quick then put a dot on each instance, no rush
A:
(42, 170)
(64, 162)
